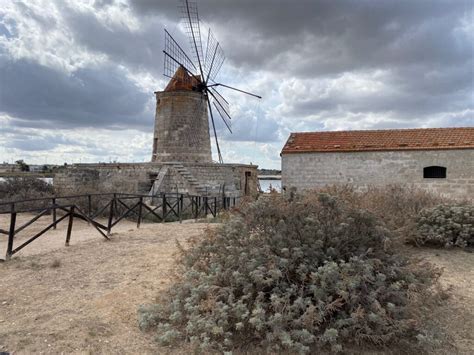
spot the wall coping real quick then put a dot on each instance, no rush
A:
(154, 165)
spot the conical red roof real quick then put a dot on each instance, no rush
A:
(182, 81)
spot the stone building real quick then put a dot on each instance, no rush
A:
(181, 123)
(181, 155)
(438, 159)
(203, 179)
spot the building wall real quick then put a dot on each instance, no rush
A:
(181, 128)
(91, 178)
(313, 170)
(139, 177)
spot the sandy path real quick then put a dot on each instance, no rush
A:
(456, 317)
(89, 302)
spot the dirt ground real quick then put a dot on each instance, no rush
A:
(84, 298)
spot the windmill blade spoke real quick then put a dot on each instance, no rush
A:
(190, 17)
(218, 94)
(235, 89)
(214, 58)
(175, 57)
(223, 105)
(215, 133)
(223, 116)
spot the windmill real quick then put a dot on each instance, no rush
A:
(199, 71)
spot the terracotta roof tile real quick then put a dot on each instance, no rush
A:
(380, 140)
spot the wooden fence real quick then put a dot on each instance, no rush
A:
(114, 207)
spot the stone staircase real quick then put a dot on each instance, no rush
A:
(155, 188)
(194, 184)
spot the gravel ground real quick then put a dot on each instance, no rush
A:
(84, 298)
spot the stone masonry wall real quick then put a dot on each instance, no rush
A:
(88, 178)
(181, 128)
(312, 170)
(138, 178)
(230, 177)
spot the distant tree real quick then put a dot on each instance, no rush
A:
(23, 166)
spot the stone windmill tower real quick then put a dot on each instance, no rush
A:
(181, 123)
(183, 109)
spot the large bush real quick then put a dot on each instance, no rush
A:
(20, 188)
(292, 275)
(396, 205)
(446, 226)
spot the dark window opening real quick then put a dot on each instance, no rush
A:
(247, 175)
(434, 172)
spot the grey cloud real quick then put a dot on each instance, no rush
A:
(426, 56)
(420, 43)
(38, 142)
(139, 50)
(38, 96)
(334, 35)
(251, 128)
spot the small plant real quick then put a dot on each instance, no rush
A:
(293, 274)
(446, 226)
(56, 263)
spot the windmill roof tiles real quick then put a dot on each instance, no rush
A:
(380, 140)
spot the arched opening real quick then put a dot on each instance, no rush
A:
(434, 172)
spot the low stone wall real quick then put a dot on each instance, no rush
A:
(236, 179)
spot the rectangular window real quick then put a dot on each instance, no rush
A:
(434, 172)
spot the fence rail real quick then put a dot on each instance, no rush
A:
(114, 207)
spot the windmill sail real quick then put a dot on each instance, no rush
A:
(176, 58)
(214, 57)
(190, 17)
(196, 71)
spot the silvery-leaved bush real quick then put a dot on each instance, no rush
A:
(446, 226)
(294, 275)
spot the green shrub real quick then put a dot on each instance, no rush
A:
(446, 226)
(293, 275)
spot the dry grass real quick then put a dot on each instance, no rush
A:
(84, 298)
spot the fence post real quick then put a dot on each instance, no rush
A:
(164, 208)
(234, 202)
(194, 204)
(215, 206)
(11, 233)
(89, 205)
(111, 216)
(69, 226)
(180, 208)
(116, 208)
(139, 212)
(54, 212)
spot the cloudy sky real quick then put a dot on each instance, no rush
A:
(77, 76)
